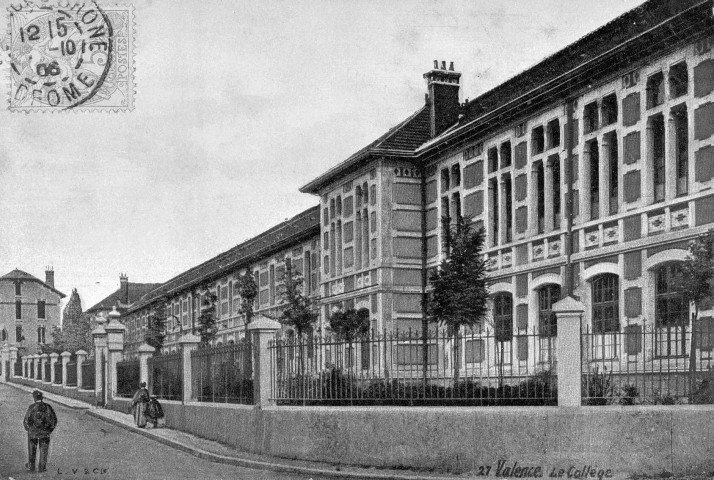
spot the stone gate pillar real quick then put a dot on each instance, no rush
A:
(189, 343)
(81, 357)
(65, 360)
(53, 361)
(44, 358)
(115, 346)
(145, 351)
(569, 313)
(262, 330)
(99, 336)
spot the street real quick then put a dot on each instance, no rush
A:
(84, 447)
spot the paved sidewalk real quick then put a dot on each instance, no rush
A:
(217, 452)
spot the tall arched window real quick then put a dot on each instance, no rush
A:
(547, 323)
(605, 315)
(671, 312)
(503, 327)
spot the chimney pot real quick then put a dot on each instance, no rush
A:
(50, 277)
(451, 66)
(443, 65)
(436, 63)
(124, 286)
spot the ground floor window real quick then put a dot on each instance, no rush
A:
(671, 313)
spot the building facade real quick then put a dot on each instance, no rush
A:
(29, 310)
(590, 172)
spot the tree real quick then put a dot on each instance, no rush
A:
(76, 331)
(350, 325)
(156, 327)
(459, 295)
(206, 323)
(297, 310)
(696, 282)
(248, 291)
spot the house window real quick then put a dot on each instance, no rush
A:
(19, 337)
(505, 154)
(18, 310)
(365, 193)
(332, 208)
(681, 140)
(610, 141)
(18, 288)
(678, 80)
(456, 206)
(547, 321)
(605, 315)
(456, 175)
(325, 216)
(358, 196)
(655, 90)
(373, 194)
(537, 140)
(508, 192)
(540, 196)
(40, 309)
(503, 326)
(503, 317)
(555, 169)
(594, 179)
(492, 159)
(553, 133)
(658, 159)
(272, 284)
(41, 335)
(493, 210)
(445, 180)
(338, 205)
(609, 110)
(671, 312)
(590, 120)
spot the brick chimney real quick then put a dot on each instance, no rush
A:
(50, 277)
(442, 97)
(124, 286)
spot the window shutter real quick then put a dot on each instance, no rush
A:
(633, 339)
(522, 347)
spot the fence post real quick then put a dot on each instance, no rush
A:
(145, 351)
(115, 345)
(262, 330)
(43, 368)
(81, 355)
(5, 359)
(189, 343)
(65, 360)
(13, 360)
(36, 365)
(53, 360)
(99, 335)
(569, 313)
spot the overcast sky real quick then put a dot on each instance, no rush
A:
(238, 105)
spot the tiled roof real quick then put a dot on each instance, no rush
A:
(136, 291)
(20, 275)
(401, 139)
(298, 227)
(605, 38)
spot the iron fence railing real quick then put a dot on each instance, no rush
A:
(475, 368)
(71, 374)
(32, 369)
(223, 374)
(88, 374)
(127, 377)
(648, 365)
(166, 376)
(18, 367)
(47, 372)
(58, 373)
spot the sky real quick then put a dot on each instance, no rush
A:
(239, 104)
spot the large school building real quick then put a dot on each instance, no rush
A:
(590, 173)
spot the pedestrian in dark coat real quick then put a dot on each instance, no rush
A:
(40, 421)
(139, 403)
(154, 412)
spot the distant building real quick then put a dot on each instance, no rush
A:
(29, 309)
(123, 298)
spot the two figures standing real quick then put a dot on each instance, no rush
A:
(145, 407)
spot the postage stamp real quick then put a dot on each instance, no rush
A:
(71, 56)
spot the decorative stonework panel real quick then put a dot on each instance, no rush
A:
(655, 224)
(611, 234)
(679, 218)
(592, 239)
(538, 251)
(507, 259)
(555, 248)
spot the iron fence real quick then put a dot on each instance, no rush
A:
(223, 374)
(32, 369)
(127, 377)
(166, 376)
(58, 372)
(651, 365)
(47, 371)
(18, 367)
(481, 367)
(88, 374)
(72, 374)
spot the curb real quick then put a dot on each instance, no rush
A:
(52, 398)
(258, 465)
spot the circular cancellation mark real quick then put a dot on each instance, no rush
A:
(59, 57)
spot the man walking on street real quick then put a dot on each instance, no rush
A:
(40, 421)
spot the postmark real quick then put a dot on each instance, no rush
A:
(71, 56)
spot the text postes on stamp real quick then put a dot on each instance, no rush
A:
(71, 57)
